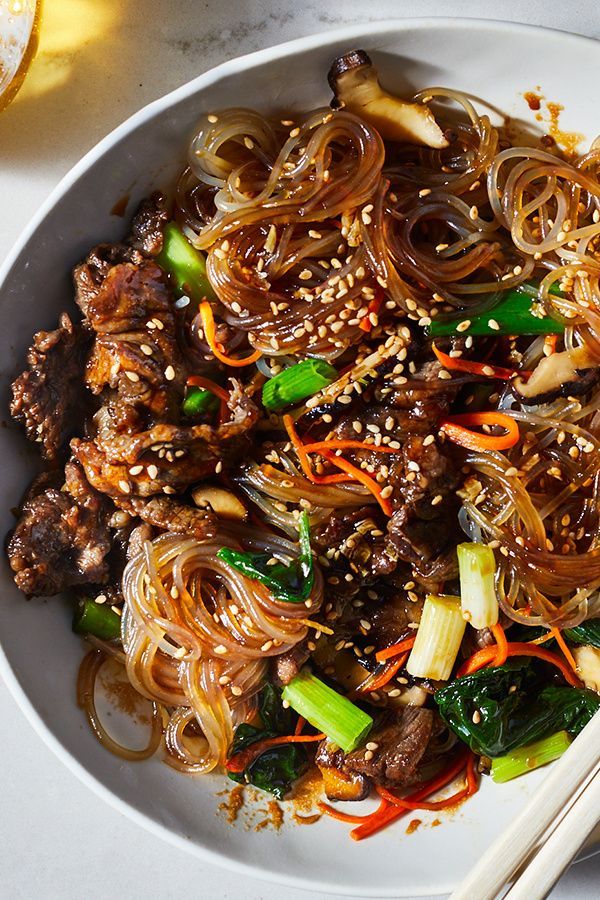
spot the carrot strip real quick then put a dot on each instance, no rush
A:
(373, 307)
(299, 725)
(469, 788)
(488, 655)
(242, 760)
(361, 476)
(455, 429)
(349, 817)
(501, 643)
(383, 817)
(294, 437)
(556, 634)
(388, 673)
(208, 385)
(395, 649)
(475, 368)
(347, 445)
(208, 324)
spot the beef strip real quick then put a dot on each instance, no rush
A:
(137, 538)
(62, 536)
(402, 743)
(148, 224)
(47, 398)
(287, 666)
(173, 516)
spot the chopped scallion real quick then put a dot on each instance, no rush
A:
(185, 264)
(524, 759)
(513, 314)
(344, 723)
(477, 568)
(297, 383)
(198, 401)
(438, 638)
(97, 619)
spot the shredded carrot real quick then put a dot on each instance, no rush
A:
(208, 385)
(299, 725)
(487, 656)
(501, 644)
(208, 324)
(395, 649)
(373, 307)
(383, 816)
(475, 368)
(556, 634)
(361, 476)
(550, 341)
(349, 817)
(300, 449)
(462, 794)
(544, 639)
(377, 682)
(346, 445)
(242, 760)
(454, 428)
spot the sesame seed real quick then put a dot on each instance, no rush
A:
(220, 649)
(473, 213)
(169, 373)
(387, 491)
(424, 192)
(135, 470)
(437, 500)
(101, 598)
(368, 755)
(169, 490)
(152, 471)
(371, 745)
(395, 692)
(248, 142)
(493, 325)
(511, 472)
(160, 325)
(125, 487)
(133, 376)
(305, 274)
(476, 717)
(294, 132)
(314, 234)
(219, 253)
(462, 326)
(212, 118)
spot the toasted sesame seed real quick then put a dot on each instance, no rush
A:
(314, 234)
(133, 376)
(135, 470)
(424, 192)
(372, 745)
(476, 717)
(294, 132)
(169, 490)
(169, 373)
(152, 471)
(101, 598)
(387, 491)
(212, 118)
(437, 500)
(511, 472)
(493, 325)
(305, 274)
(395, 692)
(220, 649)
(368, 755)
(462, 326)
(125, 487)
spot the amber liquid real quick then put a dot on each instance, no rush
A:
(9, 11)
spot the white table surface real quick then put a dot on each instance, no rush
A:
(99, 61)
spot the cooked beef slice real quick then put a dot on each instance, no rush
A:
(62, 537)
(48, 398)
(147, 226)
(173, 516)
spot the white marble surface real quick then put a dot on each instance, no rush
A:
(99, 61)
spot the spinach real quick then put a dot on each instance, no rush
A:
(516, 705)
(276, 769)
(586, 633)
(291, 583)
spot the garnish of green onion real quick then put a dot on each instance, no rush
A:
(532, 756)
(477, 569)
(438, 639)
(297, 383)
(185, 264)
(97, 619)
(198, 401)
(511, 315)
(344, 723)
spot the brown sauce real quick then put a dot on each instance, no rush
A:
(534, 101)
(233, 804)
(413, 825)
(120, 206)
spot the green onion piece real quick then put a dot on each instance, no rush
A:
(185, 264)
(198, 401)
(477, 568)
(326, 710)
(513, 314)
(97, 619)
(291, 583)
(524, 759)
(438, 639)
(297, 383)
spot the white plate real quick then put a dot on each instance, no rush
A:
(40, 655)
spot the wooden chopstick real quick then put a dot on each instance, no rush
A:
(558, 851)
(494, 870)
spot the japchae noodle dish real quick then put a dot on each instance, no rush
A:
(322, 452)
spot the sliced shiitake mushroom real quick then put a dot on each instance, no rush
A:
(569, 373)
(355, 84)
(344, 786)
(222, 502)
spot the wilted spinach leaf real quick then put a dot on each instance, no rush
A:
(516, 704)
(586, 633)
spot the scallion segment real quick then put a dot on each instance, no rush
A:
(477, 569)
(524, 759)
(344, 723)
(513, 314)
(291, 583)
(185, 264)
(97, 619)
(197, 402)
(297, 383)
(438, 638)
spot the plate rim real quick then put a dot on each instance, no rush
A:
(84, 164)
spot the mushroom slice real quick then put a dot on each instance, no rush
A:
(355, 84)
(225, 504)
(344, 786)
(569, 373)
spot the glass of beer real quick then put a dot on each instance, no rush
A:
(19, 25)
